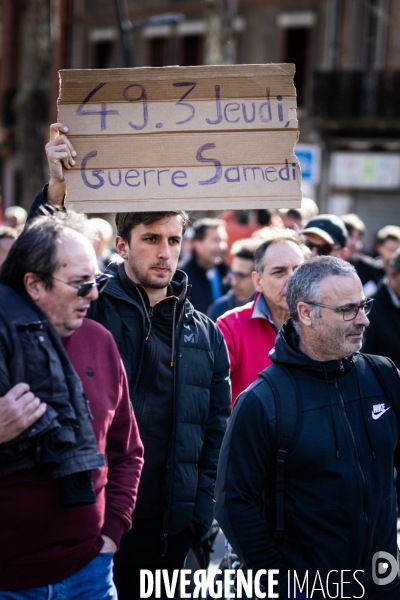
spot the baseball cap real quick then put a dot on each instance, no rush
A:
(329, 227)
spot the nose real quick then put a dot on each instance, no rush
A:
(93, 294)
(289, 273)
(362, 319)
(314, 251)
(164, 250)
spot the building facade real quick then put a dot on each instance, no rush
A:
(347, 57)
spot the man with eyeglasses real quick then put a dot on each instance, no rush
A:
(326, 235)
(305, 480)
(70, 452)
(240, 277)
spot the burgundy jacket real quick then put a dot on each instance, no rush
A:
(42, 542)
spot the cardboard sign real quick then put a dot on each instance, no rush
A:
(190, 138)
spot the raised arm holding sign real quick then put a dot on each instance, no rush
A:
(179, 137)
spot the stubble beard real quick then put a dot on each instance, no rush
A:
(336, 344)
(150, 280)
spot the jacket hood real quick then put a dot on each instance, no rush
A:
(287, 353)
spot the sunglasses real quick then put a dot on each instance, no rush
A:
(322, 249)
(100, 281)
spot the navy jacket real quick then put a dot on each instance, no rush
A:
(201, 397)
(339, 496)
(382, 334)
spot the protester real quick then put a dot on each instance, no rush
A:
(326, 235)
(369, 270)
(250, 330)
(241, 224)
(206, 267)
(69, 482)
(242, 287)
(8, 235)
(103, 242)
(305, 478)
(387, 242)
(383, 333)
(178, 372)
(292, 218)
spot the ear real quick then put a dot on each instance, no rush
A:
(343, 254)
(121, 246)
(33, 286)
(256, 281)
(304, 311)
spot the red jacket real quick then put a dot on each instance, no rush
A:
(42, 542)
(249, 338)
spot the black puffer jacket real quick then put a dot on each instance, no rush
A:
(339, 496)
(201, 396)
(62, 441)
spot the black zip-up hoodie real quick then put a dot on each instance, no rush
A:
(339, 496)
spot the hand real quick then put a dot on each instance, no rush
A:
(19, 409)
(109, 545)
(60, 154)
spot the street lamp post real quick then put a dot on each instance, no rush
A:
(127, 27)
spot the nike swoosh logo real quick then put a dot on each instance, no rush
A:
(376, 416)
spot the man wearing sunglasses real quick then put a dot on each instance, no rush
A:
(69, 481)
(326, 235)
(305, 479)
(178, 373)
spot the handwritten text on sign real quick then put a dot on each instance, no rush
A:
(218, 144)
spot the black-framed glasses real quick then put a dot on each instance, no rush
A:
(101, 281)
(349, 312)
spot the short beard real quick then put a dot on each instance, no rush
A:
(150, 282)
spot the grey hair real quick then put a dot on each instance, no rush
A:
(303, 286)
(274, 237)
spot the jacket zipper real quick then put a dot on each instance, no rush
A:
(364, 481)
(166, 517)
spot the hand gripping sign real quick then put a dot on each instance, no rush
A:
(175, 138)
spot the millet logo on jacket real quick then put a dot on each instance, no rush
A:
(190, 338)
(378, 410)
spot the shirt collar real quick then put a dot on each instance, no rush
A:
(261, 311)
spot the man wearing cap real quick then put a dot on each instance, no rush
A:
(326, 235)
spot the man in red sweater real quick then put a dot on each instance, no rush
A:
(250, 330)
(46, 548)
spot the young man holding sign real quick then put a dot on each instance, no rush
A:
(178, 372)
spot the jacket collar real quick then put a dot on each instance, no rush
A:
(179, 287)
(261, 310)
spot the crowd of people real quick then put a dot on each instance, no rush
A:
(123, 359)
